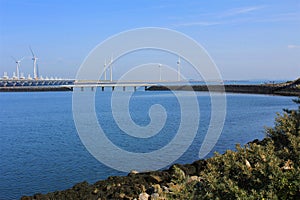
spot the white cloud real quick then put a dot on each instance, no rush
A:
(243, 10)
(233, 17)
(200, 23)
(293, 46)
(281, 17)
(217, 17)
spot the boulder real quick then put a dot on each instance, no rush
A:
(143, 196)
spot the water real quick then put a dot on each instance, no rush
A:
(41, 150)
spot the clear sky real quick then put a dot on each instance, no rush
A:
(247, 39)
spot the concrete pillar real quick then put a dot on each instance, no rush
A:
(123, 88)
(102, 88)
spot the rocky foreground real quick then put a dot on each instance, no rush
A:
(253, 172)
(143, 186)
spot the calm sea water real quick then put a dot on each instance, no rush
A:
(41, 150)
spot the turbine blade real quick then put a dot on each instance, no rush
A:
(31, 51)
(14, 59)
(21, 59)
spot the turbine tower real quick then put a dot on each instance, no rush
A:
(178, 69)
(34, 58)
(37, 71)
(105, 69)
(111, 61)
(18, 66)
(159, 65)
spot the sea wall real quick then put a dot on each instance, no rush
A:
(250, 89)
(35, 89)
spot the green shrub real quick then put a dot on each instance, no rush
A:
(262, 170)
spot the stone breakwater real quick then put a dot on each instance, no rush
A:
(154, 185)
(290, 88)
(35, 89)
(250, 89)
(144, 186)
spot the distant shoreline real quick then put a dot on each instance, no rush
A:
(247, 89)
(243, 89)
(290, 88)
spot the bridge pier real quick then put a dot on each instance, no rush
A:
(82, 86)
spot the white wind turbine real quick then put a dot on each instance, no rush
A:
(34, 58)
(105, 70)
(110, 65)
(18, 66)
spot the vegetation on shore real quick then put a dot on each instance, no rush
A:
(267, 169)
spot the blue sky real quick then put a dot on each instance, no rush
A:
(247, 39)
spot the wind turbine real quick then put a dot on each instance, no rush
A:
(18, 66)
(105, 69)
(111, 61)
(34, 58)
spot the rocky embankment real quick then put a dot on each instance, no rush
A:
(190, 181)
(291, 88)
(148, 185)
(154, 185)
(34, 89)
